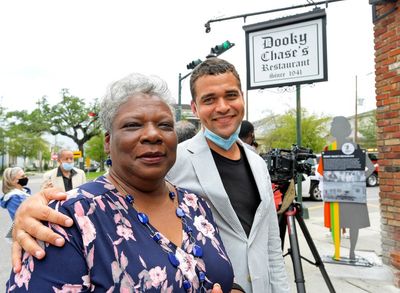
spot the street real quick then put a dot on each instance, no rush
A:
(315, 210)
(5, 245)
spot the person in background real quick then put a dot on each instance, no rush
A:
(14, 189)
(184, 130)
(133, 230)
(246, 134)
(216, 165)
(65, 177)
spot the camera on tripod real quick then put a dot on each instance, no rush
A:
(285, 164)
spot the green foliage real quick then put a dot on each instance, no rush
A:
(367, 128)
(94, 149)
(26, 145)
(68, 118)
(281, 131)
(3, 144)
(93, 175)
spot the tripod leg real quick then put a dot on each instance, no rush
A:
(295, 251)
(314, 251)
(282, 229)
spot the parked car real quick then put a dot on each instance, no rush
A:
(373, 179)
(310, 184)
(93, 167)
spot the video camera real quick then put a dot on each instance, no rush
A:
(285, 164)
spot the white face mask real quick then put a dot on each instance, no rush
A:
(67, 166)
(226, 144)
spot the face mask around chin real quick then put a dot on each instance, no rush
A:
(67, 166)
(226, 144)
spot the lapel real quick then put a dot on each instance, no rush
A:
(211, 183)
(59, 182)
(75, 180)
(261, 182)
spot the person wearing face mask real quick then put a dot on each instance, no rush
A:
(66, 176)
(14, 189)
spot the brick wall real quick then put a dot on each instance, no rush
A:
(387, 82)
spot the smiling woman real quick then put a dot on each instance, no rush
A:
(132, 228)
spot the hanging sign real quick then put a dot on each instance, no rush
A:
(287, 51)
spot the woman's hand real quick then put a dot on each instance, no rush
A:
(217, 289)
(27, 225)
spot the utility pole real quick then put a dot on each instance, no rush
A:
(355, 116)
(179, 112)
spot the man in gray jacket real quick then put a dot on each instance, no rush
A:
(233, 179)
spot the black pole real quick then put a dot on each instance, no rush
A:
(179, 112)
(299, 178)
(208, 28)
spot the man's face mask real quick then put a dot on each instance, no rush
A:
(67, 166)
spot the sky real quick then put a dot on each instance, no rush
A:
(85, 45)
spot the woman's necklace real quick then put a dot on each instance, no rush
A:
(197, 251)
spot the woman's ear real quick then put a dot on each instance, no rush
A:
(107, 137)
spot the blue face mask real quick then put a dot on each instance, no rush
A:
(226, 144)
(67, 166)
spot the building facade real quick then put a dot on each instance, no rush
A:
(386, 17)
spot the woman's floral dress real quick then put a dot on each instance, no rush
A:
(109, 250)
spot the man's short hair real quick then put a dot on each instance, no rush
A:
(246, 129)
(61, 151)
(212, 66)
(184, 130)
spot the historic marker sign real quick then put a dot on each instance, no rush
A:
(287, 51)
(344, 175)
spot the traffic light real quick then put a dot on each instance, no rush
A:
(193, 64)
(219, 49)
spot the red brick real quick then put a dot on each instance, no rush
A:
(387, 83)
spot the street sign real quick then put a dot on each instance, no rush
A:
(77, 154)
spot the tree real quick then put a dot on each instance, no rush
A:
(27, 146)
(367, 129)
(281, 133)
(70, 118)
(3, 144)
(95, 149)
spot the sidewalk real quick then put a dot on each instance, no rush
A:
(345, 278)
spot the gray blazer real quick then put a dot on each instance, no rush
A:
(257, 261)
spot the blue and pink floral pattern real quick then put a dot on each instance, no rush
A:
(109, 250)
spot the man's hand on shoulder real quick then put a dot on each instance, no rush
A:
(27, 225)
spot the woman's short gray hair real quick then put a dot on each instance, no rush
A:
(134, 84)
